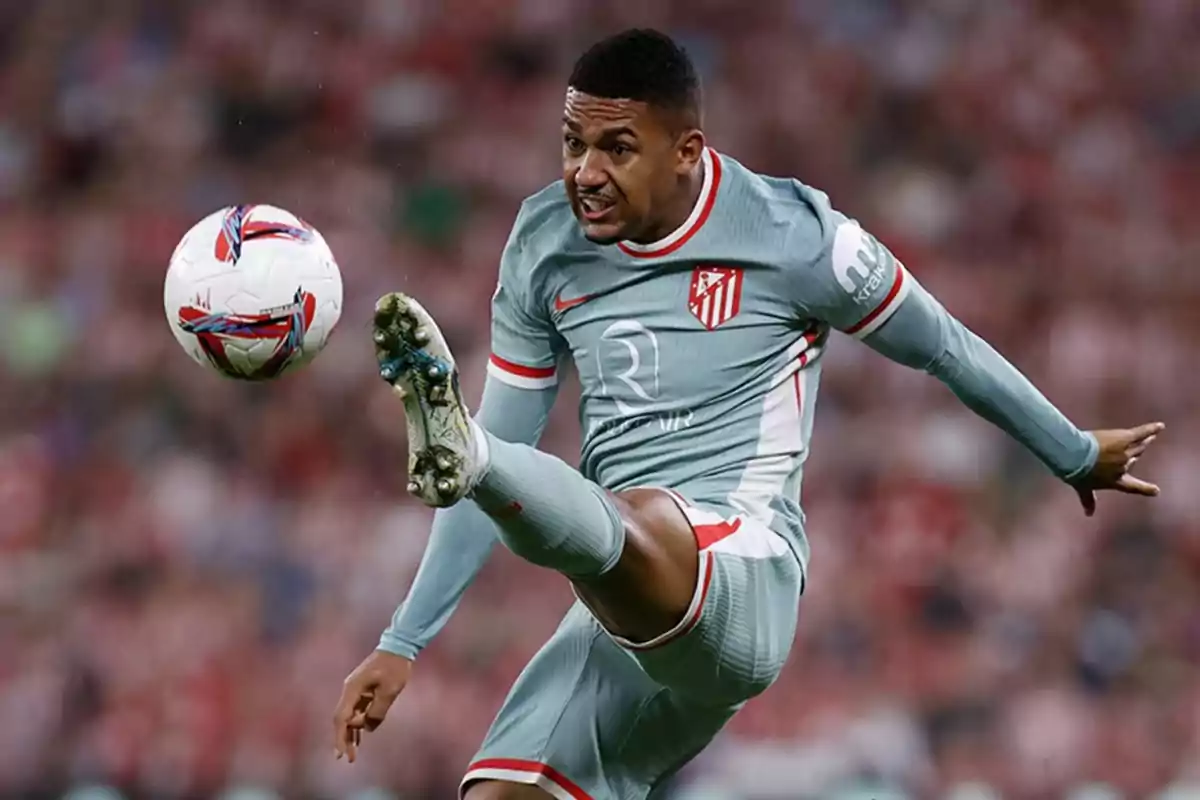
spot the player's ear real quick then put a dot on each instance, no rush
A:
(689, 147)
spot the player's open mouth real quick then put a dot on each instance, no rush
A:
(595, 208)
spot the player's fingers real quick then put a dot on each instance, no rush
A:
(1088, 499)
(341, 718)
(1147, 431)
(1139, 446)
(1132, 485)
(353, 735)
(353, 699)
(377, 711)
(354, 729)
(342, 738)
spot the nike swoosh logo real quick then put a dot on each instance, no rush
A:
(562, 304)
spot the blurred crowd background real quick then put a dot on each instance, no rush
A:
(189, 566)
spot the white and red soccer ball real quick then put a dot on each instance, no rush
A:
(252, 291)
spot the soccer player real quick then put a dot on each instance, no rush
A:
(695, 298)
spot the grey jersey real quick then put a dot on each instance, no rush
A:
(698, 356)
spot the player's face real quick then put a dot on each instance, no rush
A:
(622, 164)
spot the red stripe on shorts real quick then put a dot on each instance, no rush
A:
(532, 768)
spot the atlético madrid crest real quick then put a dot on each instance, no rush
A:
(716, 295)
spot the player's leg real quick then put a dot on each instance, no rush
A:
(739, 628)
(633, 556)
(584, 722)
(650, 589)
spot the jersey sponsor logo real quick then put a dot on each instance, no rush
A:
(628, 363)
(715, 296)
(665, 421)
(858, 254)
(562, 304)
(639, 376)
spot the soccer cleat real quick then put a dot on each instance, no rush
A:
(414, 359)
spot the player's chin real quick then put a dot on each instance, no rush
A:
(602, 232)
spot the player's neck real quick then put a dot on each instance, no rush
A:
(681, 208)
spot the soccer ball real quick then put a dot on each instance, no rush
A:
(252, 291)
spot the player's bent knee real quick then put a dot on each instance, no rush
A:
(503, 790)
(651, 587)
(658, 536)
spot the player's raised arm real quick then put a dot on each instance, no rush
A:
(518, 396)
(861, 289)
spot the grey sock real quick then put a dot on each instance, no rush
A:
(547, 513)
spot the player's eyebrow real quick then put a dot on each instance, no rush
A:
(624, 130)
(610, 133)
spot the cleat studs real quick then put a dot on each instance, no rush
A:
(445, 485)
(421, 336)
(435, 372)
(384, 309)
(381, 337)
(444, 463)
(414, 487)
(388, 372)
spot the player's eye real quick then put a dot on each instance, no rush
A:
(620, 149)
(574, 144)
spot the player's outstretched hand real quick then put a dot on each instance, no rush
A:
(1119, 451)
(367, 694)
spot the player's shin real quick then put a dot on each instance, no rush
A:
(547, 513)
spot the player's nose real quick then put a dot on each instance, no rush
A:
(591, 173)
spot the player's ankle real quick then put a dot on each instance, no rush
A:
(481, 453)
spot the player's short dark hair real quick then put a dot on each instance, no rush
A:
(639, 64)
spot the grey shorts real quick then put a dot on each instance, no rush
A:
(595, 717)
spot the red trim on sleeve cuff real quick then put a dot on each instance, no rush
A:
(521, 370)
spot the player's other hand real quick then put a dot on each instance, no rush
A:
(367, 694)
(1119, 451)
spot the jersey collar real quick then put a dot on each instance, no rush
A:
(711, 163)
